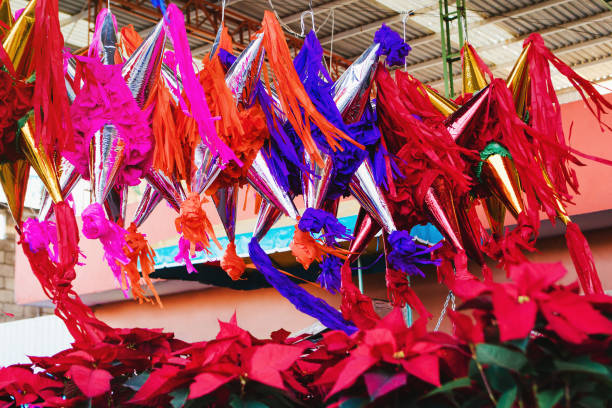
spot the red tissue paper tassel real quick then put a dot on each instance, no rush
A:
(545, 111)
(423, 153)
(583, 259)
(51, 105)
(56, 272)
(356, 306)
(68, 235)
(400, 293)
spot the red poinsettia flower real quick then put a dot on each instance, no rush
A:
(516, 304)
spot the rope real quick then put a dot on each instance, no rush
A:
(450, 298)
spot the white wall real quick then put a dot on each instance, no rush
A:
(39, 336)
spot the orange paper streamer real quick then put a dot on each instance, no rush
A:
(306, 249)
(193, 223)
(231, 263)
(139, 249)
(295, 101)
(129, 41)
(169, 155)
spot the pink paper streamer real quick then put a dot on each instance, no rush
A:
(183, 255)
(112, 237)
(175, 22)
(41, 235)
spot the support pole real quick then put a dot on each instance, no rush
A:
(449, 56)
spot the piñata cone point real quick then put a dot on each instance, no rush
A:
(500, 176)
(14, 179)
(439, 204)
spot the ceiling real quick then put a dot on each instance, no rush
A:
(578, 31)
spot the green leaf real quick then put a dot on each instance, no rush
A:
(585, 365)
(501, 356)
(549, 398)
(507, 398)
(236, 402)
(136, 382)
(591, 401)
(356, 402)
(520, 344)
(500, 379)
(449, 386)
(179, 397)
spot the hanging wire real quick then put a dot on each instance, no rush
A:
(450, 298)
(404, 18)
(331, 43)
(302, 25)
(223, 5)
(465, 27)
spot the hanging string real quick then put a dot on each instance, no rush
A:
(289, 29)
(302, 26)
(406, 15)
(223, 4)
(331, 43)
(465, 29)
(450, 298)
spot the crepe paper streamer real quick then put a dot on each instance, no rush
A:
(329, 278)
(582, 258)
(356, 306)
(318, 84)
(545, 111)
(392, 45)
(194, 225)
(405, 253)
(112, 237)
(307, 249)
(130, 40)
(138, 250)
(105, 98)
(281, 148)
(299, 297)
(231, 263)
(168, 155)
(41, 235)
(296, 103)
(315, 221)
(183, 254)
(192, 88)
(15, 105)
(243, 129)
(53, 126)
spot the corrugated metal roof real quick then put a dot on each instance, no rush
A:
(577, 29)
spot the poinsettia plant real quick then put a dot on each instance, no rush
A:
(529, 342)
